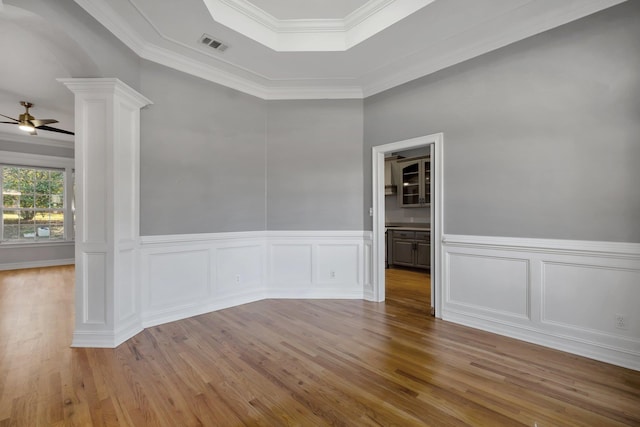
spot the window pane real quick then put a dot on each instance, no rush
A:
(27, 231)
(41, 218)
(11, 217)
(57, 201)
(56, 232)
(10, 180)
(57, 183)
(41, 175)
(9, 200)
(26, 181)
(42, 201)
(56, 218)
(43, 232)
(26, 201)
(26, 216)
(11, 232)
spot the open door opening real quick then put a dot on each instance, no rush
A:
(434, 144)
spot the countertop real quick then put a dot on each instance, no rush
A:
(409, 226)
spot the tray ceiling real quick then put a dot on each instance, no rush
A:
(310, 49)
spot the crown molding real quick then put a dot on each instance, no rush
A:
(311, 35)
(475, 42)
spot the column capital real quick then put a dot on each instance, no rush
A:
(105, 86)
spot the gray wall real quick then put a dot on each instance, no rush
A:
(215, 160)
(41, 254)
(40, 149)
(542, 137)
(98, 53)
(202, 156)
(314, 165)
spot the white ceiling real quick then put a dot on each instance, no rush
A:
(281, 49)
(308, 9)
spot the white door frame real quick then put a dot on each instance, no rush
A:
(378, 265)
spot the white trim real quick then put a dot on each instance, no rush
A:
(311, 35)
(37, 264)
(437, 211)
(35, 160)
(556, 246)
(33, 244)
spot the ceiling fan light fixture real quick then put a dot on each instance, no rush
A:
(26, 127)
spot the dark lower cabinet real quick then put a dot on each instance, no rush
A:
(423, 255)
(410, 248)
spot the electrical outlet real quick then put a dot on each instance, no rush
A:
(332, 274)
(621, 321)
(237, 278)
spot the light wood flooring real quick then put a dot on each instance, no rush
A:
(293, 363)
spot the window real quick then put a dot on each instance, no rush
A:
(36, 203)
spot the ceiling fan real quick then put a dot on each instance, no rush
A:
(28, 123)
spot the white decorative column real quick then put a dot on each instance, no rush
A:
(107, 152)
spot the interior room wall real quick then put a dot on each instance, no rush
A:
(202, 156)
(314, 165)
(109, 57)
(8, 143)
(541, 137)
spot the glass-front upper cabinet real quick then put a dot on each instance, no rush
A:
(416, 182)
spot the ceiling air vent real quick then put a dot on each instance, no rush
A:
(214, 43)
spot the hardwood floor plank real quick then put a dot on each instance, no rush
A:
(293, 363)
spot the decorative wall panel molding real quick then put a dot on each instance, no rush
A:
(187, 275)
(576, 296)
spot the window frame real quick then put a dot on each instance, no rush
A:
(67, 165)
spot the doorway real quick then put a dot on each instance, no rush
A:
(435, 143)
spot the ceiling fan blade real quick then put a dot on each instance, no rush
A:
(50, 129)
(10, 123)
(16, 120)
(41, 122)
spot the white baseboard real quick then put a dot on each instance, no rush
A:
(105, 339)
(37, 264)
(560, 294)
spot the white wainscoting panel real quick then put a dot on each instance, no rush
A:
(368, 267)
(291, 265)
(567, 295)
(473, 284)
(178, 278)
(316, 264)
(125, 286)
(187, 275)
(239, 269)
(338, 264)
(95, 288)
